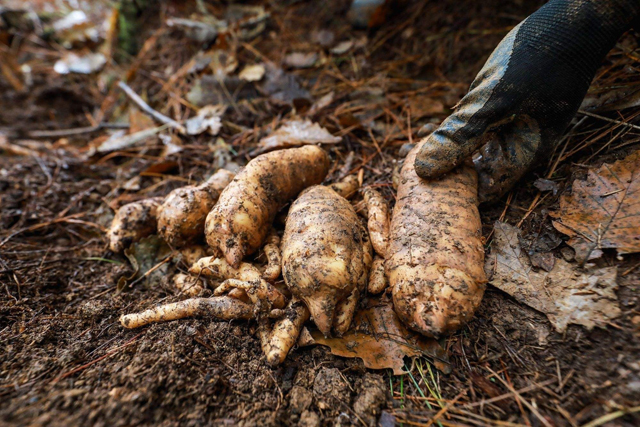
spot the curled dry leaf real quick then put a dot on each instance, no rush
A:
(378, 337)
(566, 294)
(603, 211)
(252, 73)
(295, 133)
(207, 120)
(301, 60)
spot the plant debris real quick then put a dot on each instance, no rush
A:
(295, 133)
(603, 211)
(567, 294)
(378, 337)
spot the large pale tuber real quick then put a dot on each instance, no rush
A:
(133, 222)
(182, 215)
(241, 219)
(435, 255)
(326, 256)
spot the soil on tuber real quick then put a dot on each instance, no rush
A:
(182, 215)
(240, 221)
(133, 222)
(435, 256)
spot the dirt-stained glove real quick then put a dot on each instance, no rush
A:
(527, 93)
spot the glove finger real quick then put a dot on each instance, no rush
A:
(486, 104)
(507, 156)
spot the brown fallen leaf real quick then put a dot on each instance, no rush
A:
(603, 211)
(300, 59)
(566, 294)
(379, 338)
(295, 133)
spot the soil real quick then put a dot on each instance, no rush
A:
(66, 360)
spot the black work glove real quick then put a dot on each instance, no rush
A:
(527, 93)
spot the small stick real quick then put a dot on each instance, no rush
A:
(148, 110)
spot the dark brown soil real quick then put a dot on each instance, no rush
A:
(66, 360)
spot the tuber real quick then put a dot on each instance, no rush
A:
(242, 218)
(326, 256)
(182, 215)
(435, 256)
(133, 222)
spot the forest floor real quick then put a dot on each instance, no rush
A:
(66, 360)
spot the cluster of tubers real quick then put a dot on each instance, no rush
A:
(429, 251)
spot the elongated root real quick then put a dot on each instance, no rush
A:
(377, 279)
(224, 307)
(277, 343)
(274, 258)
(379, 220)
(347, 188)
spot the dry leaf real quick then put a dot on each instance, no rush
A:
(207, 120)
(87, 64)
(322, 103)
(379, 338)
(604, 210)
(301, 60)
(252, 73)
(139, 121)
(295, 133)
(423, 106)
(567, 294)
(342, 47)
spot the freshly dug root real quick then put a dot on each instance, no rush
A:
(191, 254)
(347, 187)
(435, 254)
(326, 256)
(224, 307)
(188, 285)
(274, 258)
(378, 224)
(182, 215)
(278, 341)
(377, 279)
(246, 277)
(242, 218)
(133, 222)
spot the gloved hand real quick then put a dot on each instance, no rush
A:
(527, 93)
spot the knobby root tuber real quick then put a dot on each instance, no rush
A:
(274, 259)
(188, 285)
(278, 341)
(326, 256)
(246, 277)
(133, 222)
(242, 218)
(435, 254)
(182, 215)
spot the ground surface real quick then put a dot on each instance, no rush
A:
(65, 359)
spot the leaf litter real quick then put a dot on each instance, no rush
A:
(603, 211)
(567, 294)
(378, 337)
(295, 133)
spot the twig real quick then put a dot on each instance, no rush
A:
(612, 416)
(535, 412)
(93, 362)
(148, 110)
(607, 119)
(59, 133)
